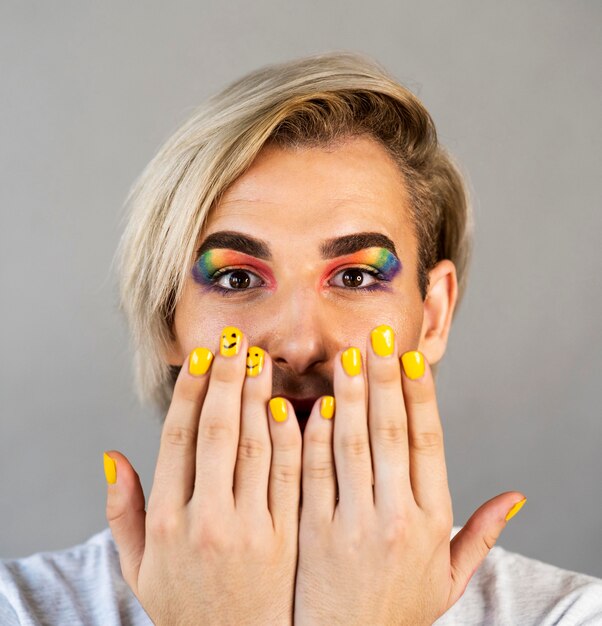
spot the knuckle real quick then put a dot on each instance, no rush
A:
(355, 445)
(179, 436)
(250, 448)
(115, 514)
(396, 531)
(212, 429)
(163, 527)
(321, 470)
(208, 538)
(391, 430)
(427, 442)
(285, 473)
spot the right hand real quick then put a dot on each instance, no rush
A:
(218, 544)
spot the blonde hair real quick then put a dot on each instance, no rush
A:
(306, 102)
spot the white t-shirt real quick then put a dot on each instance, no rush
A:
(84, 585)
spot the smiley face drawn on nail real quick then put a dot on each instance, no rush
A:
(230, 341)
(254, 361)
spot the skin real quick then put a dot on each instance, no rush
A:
(224, 537)
(353, 188)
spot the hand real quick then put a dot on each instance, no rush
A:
(383, 555)
(218, 544)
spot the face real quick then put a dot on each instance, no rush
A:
(306, 253)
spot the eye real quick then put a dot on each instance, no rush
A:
(235, 279)
(352, 277)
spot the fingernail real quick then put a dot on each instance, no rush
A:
(413, 364)
(200, 360)
(327, 407)
(278, 409)
(352, 361)
(255, 358)
(383, 340)
(515, 509)
(110, 469)
(230, 341)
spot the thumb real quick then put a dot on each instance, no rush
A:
(125, 514)
(472, 543)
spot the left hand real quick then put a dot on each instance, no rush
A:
(382, 554)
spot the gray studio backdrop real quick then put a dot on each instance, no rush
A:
(89, 93)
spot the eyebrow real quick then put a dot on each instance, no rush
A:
(329, 248)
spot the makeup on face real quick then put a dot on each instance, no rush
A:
(234, 250)
(381, 259)
(216, 259)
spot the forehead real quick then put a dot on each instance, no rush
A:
(352, 186)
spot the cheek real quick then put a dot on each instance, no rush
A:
(199, 322)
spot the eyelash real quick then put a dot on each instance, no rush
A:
(230, 292)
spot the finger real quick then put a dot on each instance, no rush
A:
(387, 422)
(472, 543)
(254, 445)
(125, 514)
(173, 483)
(351, 443)
(319, 480)
(428, 473)
(219, 425)
(284, 486)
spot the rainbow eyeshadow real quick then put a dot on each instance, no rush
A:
(213, 260)
(380, 258)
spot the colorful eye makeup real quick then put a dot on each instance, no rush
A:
(383, 260)
(381, 263)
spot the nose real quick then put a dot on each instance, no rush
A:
(299, 338)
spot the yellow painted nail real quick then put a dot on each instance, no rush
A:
(110, 469)
(255, 359)
(327, 407)
(515, 509)
(200, 360)
(230, 341)
(352, 361)
(383, 340)
(278, 409)
(413, 364)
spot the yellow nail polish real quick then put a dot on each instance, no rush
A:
(383, 340)
(200, 360)
(230, 341)
(255, 358)
(352, 361)
(110, 469)
(413, 364)
(278, 409)
(327, 407)
(515, 509)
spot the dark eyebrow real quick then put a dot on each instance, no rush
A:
(348, 244)
(329, 249)
(236, 241)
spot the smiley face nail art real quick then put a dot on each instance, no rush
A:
(230, 341)
(255, 358)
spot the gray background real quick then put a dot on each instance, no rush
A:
(91, 90)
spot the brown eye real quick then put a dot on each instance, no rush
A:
(239, 280)
(353, 278)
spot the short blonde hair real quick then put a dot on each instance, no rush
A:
(306, 102)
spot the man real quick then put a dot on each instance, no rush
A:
(290, 270)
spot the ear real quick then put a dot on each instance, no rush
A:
(439, 306)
